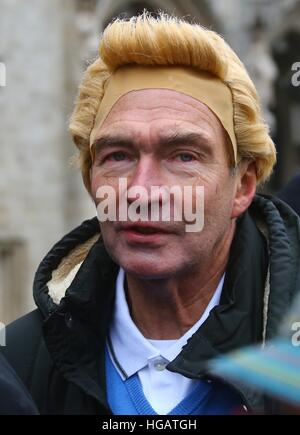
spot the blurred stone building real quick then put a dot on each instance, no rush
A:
(45, 45)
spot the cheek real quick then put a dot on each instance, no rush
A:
(94, 187)
(98, 180)
(211, 186)
(218, 195)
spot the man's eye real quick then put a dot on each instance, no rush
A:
(118, 156)
(185, 157)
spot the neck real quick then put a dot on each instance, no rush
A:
(164, 309)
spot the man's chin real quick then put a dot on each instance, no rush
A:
(146, 264)
(146, 270)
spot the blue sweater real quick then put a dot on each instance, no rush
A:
(126, 397)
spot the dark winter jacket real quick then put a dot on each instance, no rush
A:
(58, 350)
(14, 398)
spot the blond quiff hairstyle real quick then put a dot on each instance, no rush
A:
(166, 40)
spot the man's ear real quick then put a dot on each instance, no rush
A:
(246, 181)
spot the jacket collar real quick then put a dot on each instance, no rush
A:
(237, 320)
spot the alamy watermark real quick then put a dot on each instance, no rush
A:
(164, 204)
(2, 74)
(296, 335)
(296, 75)
(2, 334)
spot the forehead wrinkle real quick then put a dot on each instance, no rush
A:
(195, 117)
(149, 134)
(192, 113)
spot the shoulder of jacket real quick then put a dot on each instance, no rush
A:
(25, 348)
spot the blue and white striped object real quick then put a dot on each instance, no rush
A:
(274, 369)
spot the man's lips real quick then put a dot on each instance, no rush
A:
(143, 232)
(144, 228)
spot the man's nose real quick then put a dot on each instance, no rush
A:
(146, 175)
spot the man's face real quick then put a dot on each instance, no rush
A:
(164, 138)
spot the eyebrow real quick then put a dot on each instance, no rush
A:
(165, 140)
(186, 138)
(109, 141)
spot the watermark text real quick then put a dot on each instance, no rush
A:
(162, 203)
(2, 74)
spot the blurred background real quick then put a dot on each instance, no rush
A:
(45, 45)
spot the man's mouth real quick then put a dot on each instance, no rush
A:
(143, 232)
(144, 229)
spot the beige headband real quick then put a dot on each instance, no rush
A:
(201, 85)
